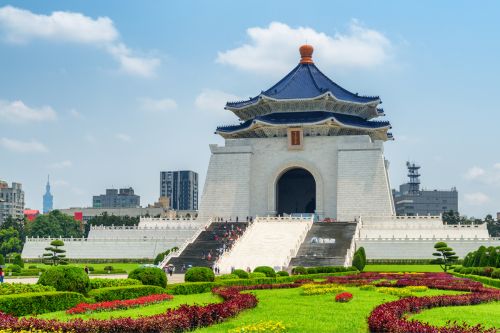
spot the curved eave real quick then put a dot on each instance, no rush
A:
(249, 125)
(236, 106)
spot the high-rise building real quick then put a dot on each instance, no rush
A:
(11, 200)
(411, 200)
(48, 198)
(181, 187)
(124, 198)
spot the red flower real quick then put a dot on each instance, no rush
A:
(343, 297)
(118, 304)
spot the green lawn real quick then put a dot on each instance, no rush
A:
(403, 268)
(485, 314)
(200, 299)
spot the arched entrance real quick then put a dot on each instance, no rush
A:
(296, 192)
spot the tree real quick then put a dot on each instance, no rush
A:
(9, 241)
(359, 259)
(446, 256)
(451, 217)
(16, 223)
(478, 255)
(18, 260)
(55, 255)
(54, 224)
(2, 260)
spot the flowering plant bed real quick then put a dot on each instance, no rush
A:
(343, 297)
(119, 304)
(262, 327)
(321, 289)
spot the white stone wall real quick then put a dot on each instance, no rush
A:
(350, 174)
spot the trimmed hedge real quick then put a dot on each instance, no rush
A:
(103, 272)
(282, 273)
(37, 303)
(227, 277)
(21, 288)
(484, 280)
(256, 275)
(106, 283)
(189, 288)
(152, 276)
(269, 271)
(241, 273)
(66, 278)
(199, 274)
(299, 270)
(126, 292)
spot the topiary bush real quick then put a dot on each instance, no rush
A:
(199, 274)
(22, 288)
(282, 273)
(152, 276)
(18, 260)
(311, 270)
(108, 268)
(268, 271)
(299, 270)
(125, 292)
(241, 273)
(256, 275)
(227, 277)
(66, 278)
(105, 283)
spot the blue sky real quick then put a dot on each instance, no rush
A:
(108, 94)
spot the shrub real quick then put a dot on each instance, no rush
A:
(18, 260)
(369, 287)
(261, 327)
(268, 271)
(15, 268)
(32, 267)
(21, 288)
(199, 274)
(108, 268)
(241, 273)
(152, 276)
(256, 275)
(343, 297)
(496, 274)
(105, 283)
(66, 278)
(299, 270)
(282, 273)
(126, 292)
(36, 303)
(227, 277)
(91, 268)
(311, 270)
(2, 260)
(190, 288)
(357, 262)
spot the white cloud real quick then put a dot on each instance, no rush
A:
(474, 173)
(61, 164)
(18, 112)
(274, 49)
(213, 100)
(123, 137)
(476, 198)
(157, 105)
(22, 26)
(23, 146)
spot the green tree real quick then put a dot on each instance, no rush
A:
(18, 260)
(451, 217)
(478, 255)
(359, 259)
(446, 256)
(54, 224)
(2, 260)
(16, 223)
(55, 254)
(9, 241)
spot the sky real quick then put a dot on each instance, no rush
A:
(106, 94)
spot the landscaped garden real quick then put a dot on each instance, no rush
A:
(323, 299)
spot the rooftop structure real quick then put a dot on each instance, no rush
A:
(47, 198)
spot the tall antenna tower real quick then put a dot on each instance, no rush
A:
(414, 177)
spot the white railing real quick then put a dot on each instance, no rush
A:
(230, 250)
(350, 252)
(295, 249)
(175, 254)
(269, 218)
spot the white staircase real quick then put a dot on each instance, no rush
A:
(268, 241)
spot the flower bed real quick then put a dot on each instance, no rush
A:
(343, 297)
(262, 327)
(118, 304)
(321, 289)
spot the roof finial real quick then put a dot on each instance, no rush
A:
(306, 52)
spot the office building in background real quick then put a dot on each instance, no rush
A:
(181, 187)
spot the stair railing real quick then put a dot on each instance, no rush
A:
(177, 253)
(350, 252)
(230, 250)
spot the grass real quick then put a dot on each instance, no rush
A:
(312, 313)
(149, 310)
(485, 314)
(403, 268)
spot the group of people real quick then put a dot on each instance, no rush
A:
(230, 219)
(228, 235)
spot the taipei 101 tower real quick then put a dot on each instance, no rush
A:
(47, 198)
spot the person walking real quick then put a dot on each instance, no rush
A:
(1, 275)
(87, 270)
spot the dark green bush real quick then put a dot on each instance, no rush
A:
(66, 278)
(357, 262)
(311, 270)
(269, 271)
(32, 267)
(496, 273)
(106, 283)
(14, 268)
(36, 303)
(91, 268)
(125, 292)
(241, 273)
(18, 260)
(256, 275)
(299, 270)
(282, 273)
(2, 260)
(199, 274)
(108, 268)
(152, 276)
(189, 288)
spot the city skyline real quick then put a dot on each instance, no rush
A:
(97, 91)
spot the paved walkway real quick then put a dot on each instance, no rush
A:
(176, 278)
